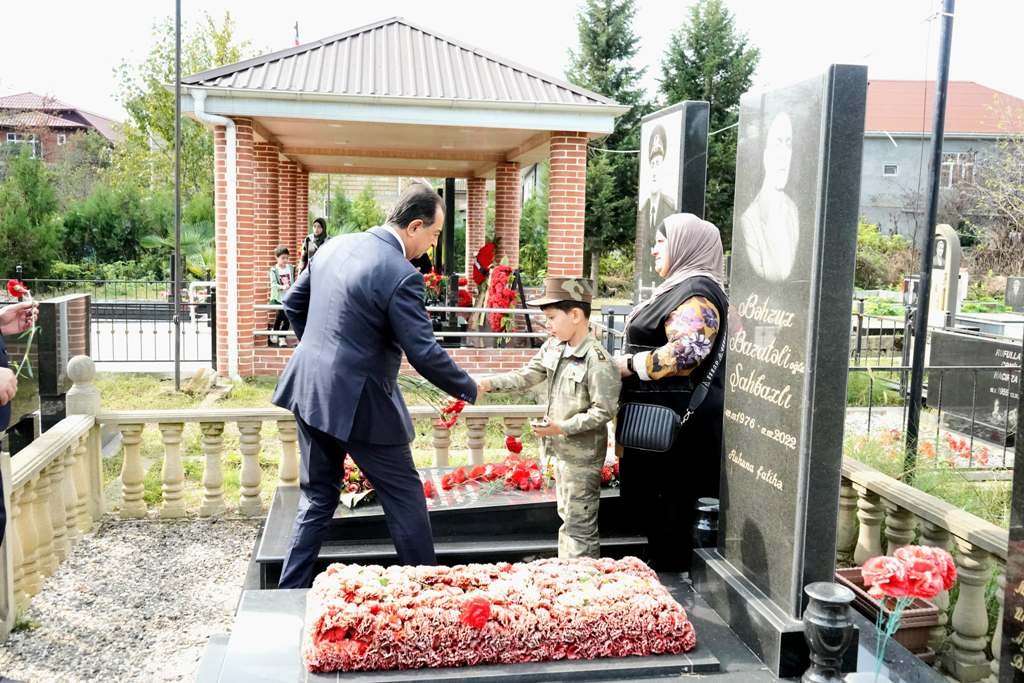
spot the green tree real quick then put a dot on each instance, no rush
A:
(365, 212)
(341, 213)
(533, 231)
(106, 226)
(86, 158)
(709, 59)
(30, 227)
(145, 157)
(603, 63)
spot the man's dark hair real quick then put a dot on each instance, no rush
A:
(281, 251)
(568, 305)
(418, 201)
(658, 142)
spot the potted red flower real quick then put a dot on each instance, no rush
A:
(899, 588)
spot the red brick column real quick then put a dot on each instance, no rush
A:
(301, 206)
(507, 204)
(244, 253)
(566, 203)
(265, 221)
(287, 230)
(476, 219)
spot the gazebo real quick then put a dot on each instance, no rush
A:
(390, 98)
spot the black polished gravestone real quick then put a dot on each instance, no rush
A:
(673, 170)
(791, 287)
(1011, 637)
(978, 402)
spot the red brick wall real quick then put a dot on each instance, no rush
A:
(265, 217)
(271, 361)
(301, 204)
(566, 204)
(287, 229)
(220, 204)
(507, 205)
(476, 219)
(78, 326)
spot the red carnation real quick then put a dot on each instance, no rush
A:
(475, 612)
(460, 475)
(447, 482)
(478, 472)
(463, 281)
(465, 298)
(885, 576)
(428, 489)
(606, 475)
(17, 288)
(513, 444)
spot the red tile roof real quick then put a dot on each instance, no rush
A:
(36, 119)
(30, 100)
(906, 107)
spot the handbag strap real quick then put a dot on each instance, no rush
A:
(700, 392)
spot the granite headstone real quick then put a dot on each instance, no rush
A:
(1011, 665)
(943, 303)
(1015, 293)
(673, 168)
(791, 287)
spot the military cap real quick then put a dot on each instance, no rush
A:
(564, 289)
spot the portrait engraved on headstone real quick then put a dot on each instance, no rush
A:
(771, 222)
(1015, 293)
(939, 260)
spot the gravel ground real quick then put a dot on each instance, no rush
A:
(135, 601)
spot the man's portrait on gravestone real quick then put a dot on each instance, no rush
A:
(770, 225)
(939, 260)
(655, 190)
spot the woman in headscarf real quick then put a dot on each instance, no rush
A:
(312, 242)
(671, 342)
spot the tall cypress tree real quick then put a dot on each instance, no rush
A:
(602, 63)
(709, 59)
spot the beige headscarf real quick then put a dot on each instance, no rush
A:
(694, 249)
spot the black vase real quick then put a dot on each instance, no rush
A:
(705, 527)
(828, 630)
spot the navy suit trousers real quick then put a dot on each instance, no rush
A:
(398, 488)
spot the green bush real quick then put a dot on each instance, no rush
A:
(616, 273)
(30, 229)
(882, 260)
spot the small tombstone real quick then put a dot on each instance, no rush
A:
(945, 272)
(1015, 293)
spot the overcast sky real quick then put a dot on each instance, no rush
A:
(68, 49)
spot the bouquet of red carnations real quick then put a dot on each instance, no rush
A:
(367, 618)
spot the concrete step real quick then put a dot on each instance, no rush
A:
(213, 659)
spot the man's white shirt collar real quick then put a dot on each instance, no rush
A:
(394, 231)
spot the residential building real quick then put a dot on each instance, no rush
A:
(46, 124)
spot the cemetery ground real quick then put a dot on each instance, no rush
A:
(137, 600)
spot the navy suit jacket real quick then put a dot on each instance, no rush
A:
(355, 309)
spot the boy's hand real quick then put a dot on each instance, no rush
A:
(483, 386)
(549, 428)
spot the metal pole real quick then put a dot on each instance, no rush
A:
(924, 293)
(449, 247)
(176, 275)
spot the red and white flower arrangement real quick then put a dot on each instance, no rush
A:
(500, 295)
(371, 618)
(911, 572)
(356, 488)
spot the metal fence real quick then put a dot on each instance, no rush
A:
(132, 321)
(966, 429)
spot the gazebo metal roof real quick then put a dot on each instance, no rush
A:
(396, 58)
(393, 98)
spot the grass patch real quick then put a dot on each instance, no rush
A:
(24, 624)
(935, 475)
(878, 386)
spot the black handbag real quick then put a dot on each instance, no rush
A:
(650, 427)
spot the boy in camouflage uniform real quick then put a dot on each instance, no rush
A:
(583, 395)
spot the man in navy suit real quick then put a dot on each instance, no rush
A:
(355, 309)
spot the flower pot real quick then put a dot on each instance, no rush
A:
(866, 677)
(914, 630)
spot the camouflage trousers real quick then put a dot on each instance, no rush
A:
(578, 491)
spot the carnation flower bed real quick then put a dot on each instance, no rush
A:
(362, 618)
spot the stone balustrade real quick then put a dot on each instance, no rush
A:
(868, 498)
(53, 492)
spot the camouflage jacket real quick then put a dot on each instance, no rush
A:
(583, 395)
